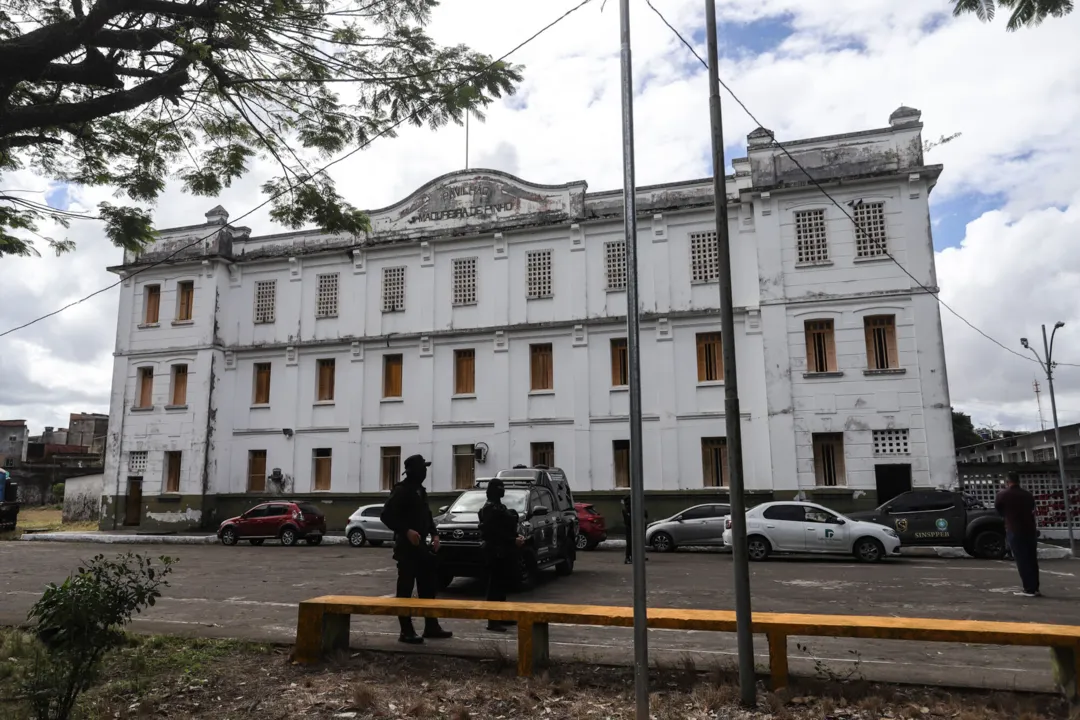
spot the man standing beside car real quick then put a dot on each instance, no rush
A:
(1017, 506)
(499, 533)
(408, 515)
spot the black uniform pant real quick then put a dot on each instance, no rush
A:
(502, 568)
(1025, 550)
(629, 540)
(416, 567)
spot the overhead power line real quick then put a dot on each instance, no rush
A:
(296, 184)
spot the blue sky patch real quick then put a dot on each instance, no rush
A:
(752, 38)
(59, 196)
(949, 219)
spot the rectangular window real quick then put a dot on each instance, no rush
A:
(891, 442)
(463, 271)
(256, 471)
(393, 289)
(326, 296)
(179, 385)
(710, 358)
(820, 346)
(620, 363)
(137, 462)
(146, 388)
(390, 470)
(151, 304)
(322, 458)
(542, 453)
(714, 465)
(464, 372)
(811, 243)
(538, 274)
(185, 300)
(870, 239)
(704, 257)
(392, 368)
(621, 454)
(829, 459)
(326, 368)
(615, 264)
(881, 342)
(172, 472)
(541, 367)
(464, 467)
(261, 392)
(265, 300)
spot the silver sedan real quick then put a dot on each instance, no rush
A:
(366, 527)
(694, 526)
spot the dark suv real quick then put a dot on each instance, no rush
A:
(549, 539)
(552, 478)
(285, 521)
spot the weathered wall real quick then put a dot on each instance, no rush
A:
(83, 497)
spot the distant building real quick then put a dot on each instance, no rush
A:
(88, 430)
(1030, 447)
(13, 440)
(51, 436)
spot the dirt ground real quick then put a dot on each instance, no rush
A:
(188, 679)
(46, 519)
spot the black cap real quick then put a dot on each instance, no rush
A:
(415, 462)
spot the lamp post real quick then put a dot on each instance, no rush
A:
(1047, 364)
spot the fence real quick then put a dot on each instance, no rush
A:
(983, 481)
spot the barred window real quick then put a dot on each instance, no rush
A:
(464, 277)
(615, 262)
(137, 462)
(265, 299)
(870, 240)
(393, 289)
(891, 442)
(704, 257)
(811, 243)
(326, 296)
(538, 274)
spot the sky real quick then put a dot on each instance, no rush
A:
(1005, 213)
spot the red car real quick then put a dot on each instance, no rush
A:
(591, 528)
(286, 521)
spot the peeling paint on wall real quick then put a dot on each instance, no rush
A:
(190, 515)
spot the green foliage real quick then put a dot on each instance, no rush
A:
(80, 620)
(58, 492)
(963, 431)
(1025, 13)
(132, 94)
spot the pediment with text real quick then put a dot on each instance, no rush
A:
(479, 200)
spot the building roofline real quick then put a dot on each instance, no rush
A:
(1017, 437)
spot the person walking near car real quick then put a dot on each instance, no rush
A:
(627, 517)
(499, 533)
(1017, 506)
(407, 514)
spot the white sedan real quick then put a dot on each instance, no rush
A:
(801, 527)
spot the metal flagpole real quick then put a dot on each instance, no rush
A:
(740, 560)
(633, 341)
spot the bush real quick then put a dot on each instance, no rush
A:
(80, 620)
(58, 493)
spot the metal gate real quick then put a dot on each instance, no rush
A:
(983, 481)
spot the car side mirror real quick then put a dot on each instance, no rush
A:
(443, 509)
(841, 521)
(538, 511)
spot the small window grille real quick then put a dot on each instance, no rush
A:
(265, 296)
(812, 245)
(615, 262)
(393, 289)
(464, 285)
(891, 442)
(326, 297)
(137, 462)
(704, 257)
(870, 240)
(538, 274)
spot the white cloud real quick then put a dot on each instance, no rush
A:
(845, 66)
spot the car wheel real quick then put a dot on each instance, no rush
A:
(758, 548)
(256, 542)
(288, 537)
(315, 540)
(989, 545)
(592, 545)
(566, 567)
(662, 542)
(527, 572)
(581, 542)
(376, 543)
(357, 538)
(228, 536)
(869, 550)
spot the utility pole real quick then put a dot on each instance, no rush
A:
(1038, 401)
(1047, 364)
(732, 419)
(633, 344)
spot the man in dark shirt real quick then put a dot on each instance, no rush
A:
(499, 531)
(1017, 506)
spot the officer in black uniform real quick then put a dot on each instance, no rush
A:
(499, 533)
(407, 513)
(627, 518)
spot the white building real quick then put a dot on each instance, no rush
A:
(487, 313)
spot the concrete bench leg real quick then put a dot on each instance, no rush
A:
(532, 647)
(778, 660)
(318, 633)
(1066, 663)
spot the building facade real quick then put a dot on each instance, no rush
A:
(481, 322)
(1026, 448)
(14, 437)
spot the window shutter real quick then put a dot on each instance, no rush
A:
(153, 303)
(701, 359)
(890, 335)
(180, 373)
(392, 376)
(811, 356)
(871, 353)
(257, 471)
(830, 348)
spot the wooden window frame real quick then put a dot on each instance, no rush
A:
(620, 457)
(389, 466)
(829, 466)
(325, 377)
(322, 468)
(620, 363)
(464, 464)
(465, 372)
(710, 357)
(390, 378)
(178, 392)
(173, 465)
(824, 328)
(185, 301)
(151, 304)
(542, 453)
(881, 350)
(541, 367)
(145, 398)
(258, 395)
(713, 451)
(255, 457)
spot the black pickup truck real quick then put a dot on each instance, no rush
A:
(942, 518)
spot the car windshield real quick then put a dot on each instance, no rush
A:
(473, 500)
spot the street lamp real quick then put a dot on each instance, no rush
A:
(1047, 364)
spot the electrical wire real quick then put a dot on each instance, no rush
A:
(825, 192)
(293, 186)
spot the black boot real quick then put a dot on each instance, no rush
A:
(408, 634)
(434, 631)
(496, 626)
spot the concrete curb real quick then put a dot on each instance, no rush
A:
(123, 539)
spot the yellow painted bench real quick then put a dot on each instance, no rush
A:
(323, 626)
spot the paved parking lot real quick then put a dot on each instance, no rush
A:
(252, 592)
